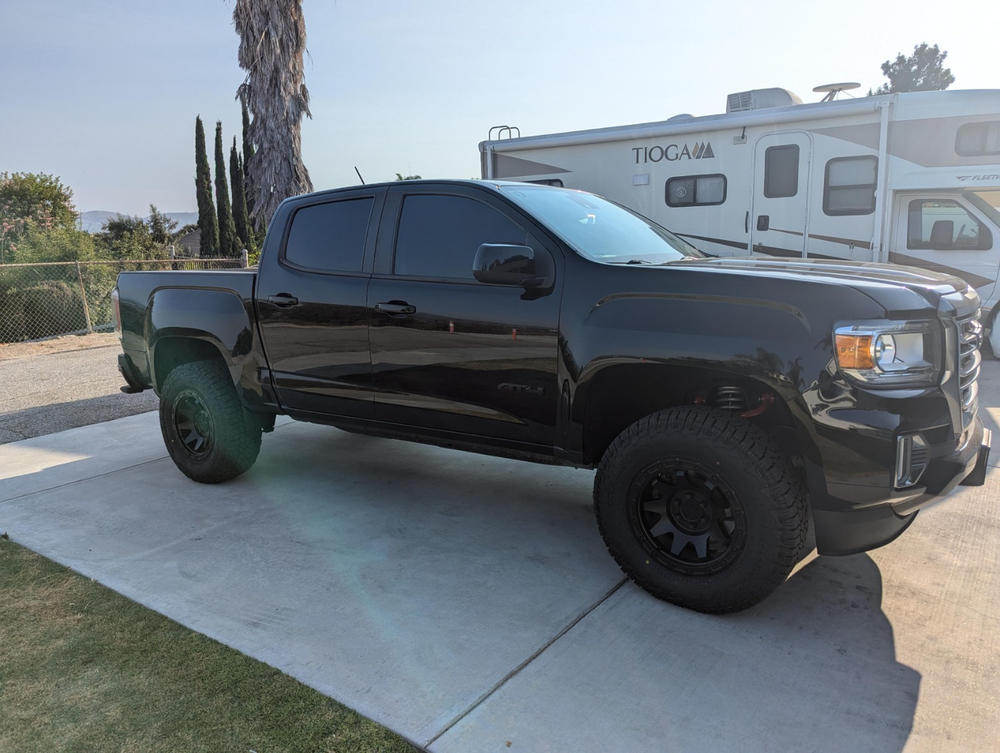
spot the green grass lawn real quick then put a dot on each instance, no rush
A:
(85, 669)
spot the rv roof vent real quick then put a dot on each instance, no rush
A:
(681, 116)
(758, 99)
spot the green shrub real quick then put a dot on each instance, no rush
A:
(48, 308)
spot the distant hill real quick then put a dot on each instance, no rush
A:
(94, 220)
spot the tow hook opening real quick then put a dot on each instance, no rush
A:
(912, 456)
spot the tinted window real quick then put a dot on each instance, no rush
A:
(943, 225)
(849, 187)
(329, 237)
(781, 171)
(974, 139)
(696, 190)
(438, 235)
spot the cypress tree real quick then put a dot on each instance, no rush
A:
(240, 216)
(207, 223)
(258, 236)
(228, 242)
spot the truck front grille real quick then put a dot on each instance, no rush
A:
(970, 336)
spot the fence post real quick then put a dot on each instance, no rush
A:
(83, 293)
(244, 258)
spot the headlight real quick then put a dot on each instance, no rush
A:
(889, 354)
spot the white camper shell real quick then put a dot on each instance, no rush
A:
(774, 176)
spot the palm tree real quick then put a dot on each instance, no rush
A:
(272, 42)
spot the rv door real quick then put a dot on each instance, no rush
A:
(946, 233)
(779, 213)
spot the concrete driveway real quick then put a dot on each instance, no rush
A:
(468, 603)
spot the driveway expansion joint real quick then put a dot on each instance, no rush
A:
(82, 480)
(514, 672)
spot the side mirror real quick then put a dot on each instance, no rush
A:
(508, 264)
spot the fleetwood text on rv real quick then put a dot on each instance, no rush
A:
(774, 176)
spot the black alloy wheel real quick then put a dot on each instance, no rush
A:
(193, 423)
(690, 519)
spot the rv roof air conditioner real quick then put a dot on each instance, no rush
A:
(758, 99)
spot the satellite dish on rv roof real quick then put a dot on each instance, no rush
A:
(832, 90)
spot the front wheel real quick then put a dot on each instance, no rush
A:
(700, 509)
(209, 435)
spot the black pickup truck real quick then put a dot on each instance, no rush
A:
(736, 410)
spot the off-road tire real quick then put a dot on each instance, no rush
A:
(738, 460)
(234, 436)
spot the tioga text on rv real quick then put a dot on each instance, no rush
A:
(672, 152)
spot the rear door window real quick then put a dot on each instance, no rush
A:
(329, 237)
(438, 235)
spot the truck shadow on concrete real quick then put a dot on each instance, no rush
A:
(833, 652)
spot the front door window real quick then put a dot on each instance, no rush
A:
(944, 225)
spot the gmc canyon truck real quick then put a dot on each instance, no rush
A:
(734, 409)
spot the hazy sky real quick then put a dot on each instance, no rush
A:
(104, 93)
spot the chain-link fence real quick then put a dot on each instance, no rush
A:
(63, 298)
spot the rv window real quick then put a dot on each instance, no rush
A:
(438, 235)
(329, 237)
(547, 182)
(945, 225)
(696, 190)
(975, 139)
(781, 171)
(849, 187)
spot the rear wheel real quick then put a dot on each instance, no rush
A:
(209, 435)
(700, 509)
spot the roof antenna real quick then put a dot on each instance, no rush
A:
(832, 90)
(359, 175)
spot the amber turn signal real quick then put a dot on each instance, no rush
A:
(854, 351)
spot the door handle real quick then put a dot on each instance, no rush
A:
(395, 308)
(763, 222)
(746, 222)
(282, 300)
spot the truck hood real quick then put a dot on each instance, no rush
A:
(881, 282)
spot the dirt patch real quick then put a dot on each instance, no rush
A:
(10, 351)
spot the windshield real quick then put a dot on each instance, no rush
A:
(987, 201)
(598, 229)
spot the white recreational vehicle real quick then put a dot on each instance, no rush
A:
(772, 175)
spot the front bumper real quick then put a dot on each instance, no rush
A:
(874, 516)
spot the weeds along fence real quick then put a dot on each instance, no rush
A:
(63, 298)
